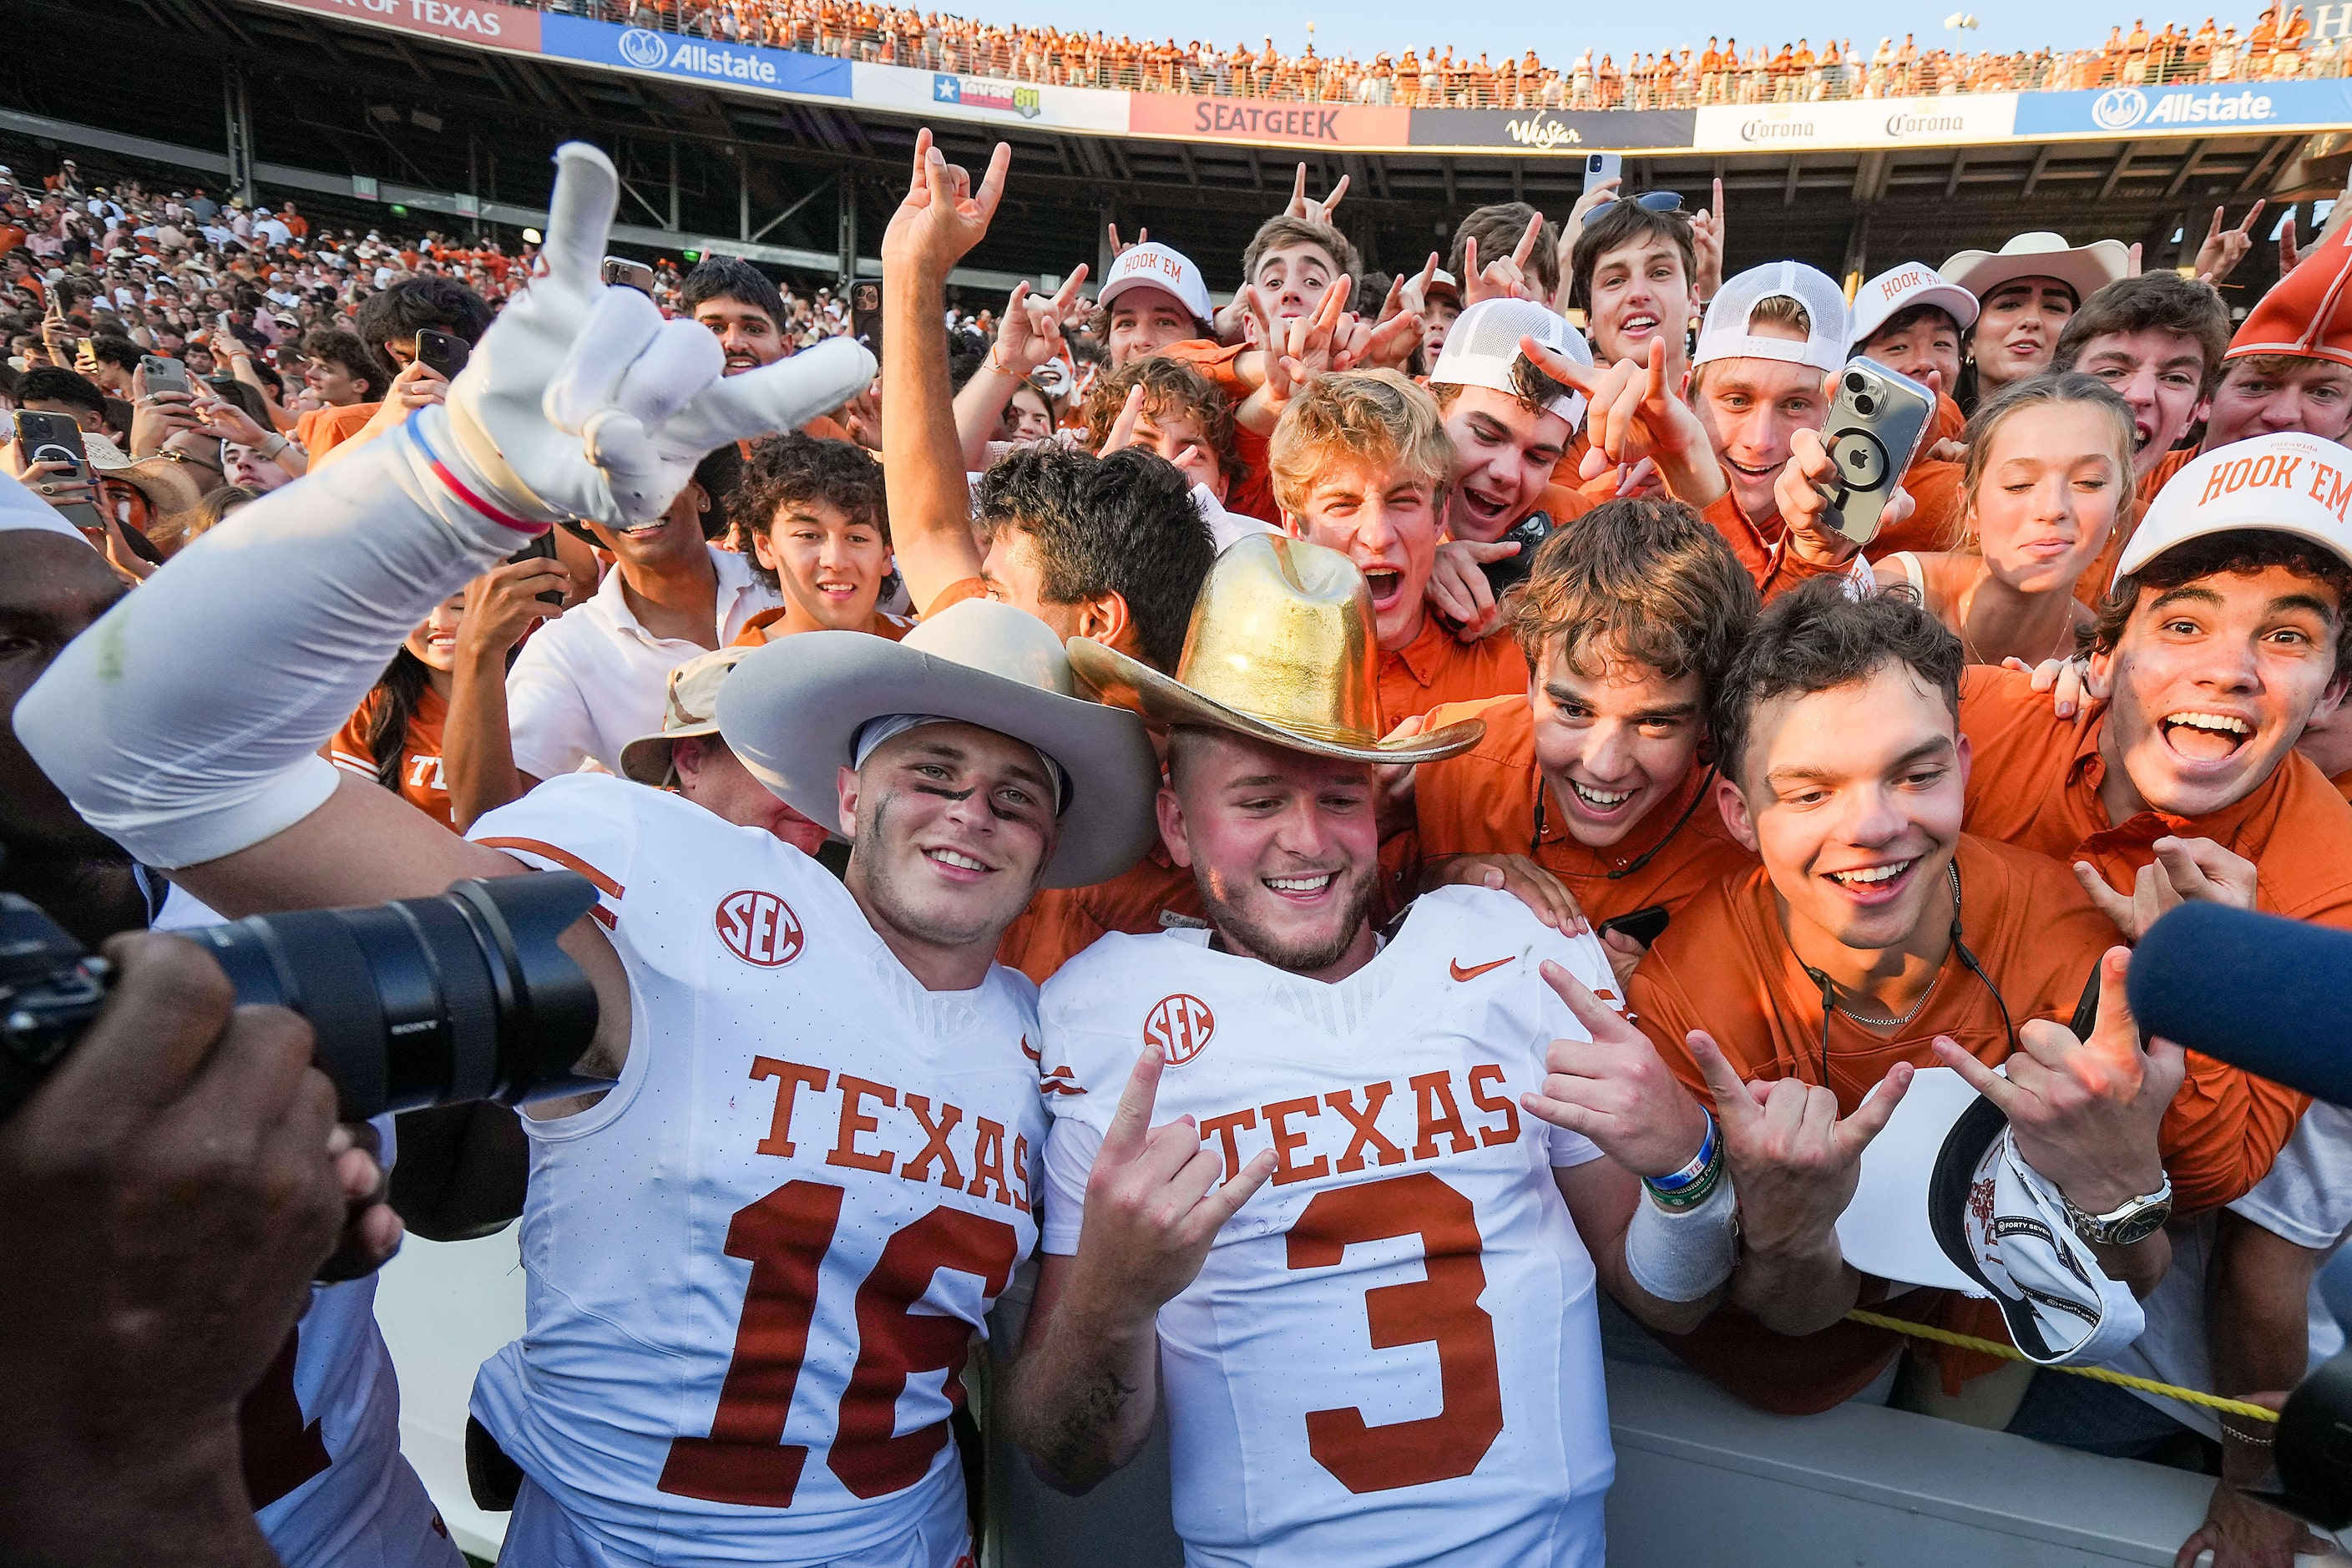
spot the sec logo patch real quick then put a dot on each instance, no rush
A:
(758, 928)
(1181, 1027)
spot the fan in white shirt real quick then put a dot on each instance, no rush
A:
(1359, 1268)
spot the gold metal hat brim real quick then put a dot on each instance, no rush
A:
(1167, 704)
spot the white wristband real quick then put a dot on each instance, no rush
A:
(1681, 1255)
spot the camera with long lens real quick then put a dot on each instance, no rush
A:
(417, 1003)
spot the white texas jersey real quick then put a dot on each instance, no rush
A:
(756, 1266)
(1392, 1353)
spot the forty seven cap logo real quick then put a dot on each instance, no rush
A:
(760, 928)
(1181, 1027)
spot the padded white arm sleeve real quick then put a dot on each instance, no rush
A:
(186, 724)
(1681, 1255)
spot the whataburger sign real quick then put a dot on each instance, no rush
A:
(2137, 113)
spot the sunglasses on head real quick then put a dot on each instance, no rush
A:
(1657, 201)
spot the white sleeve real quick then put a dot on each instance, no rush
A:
(586, 823)
(2307, 1197)
(1070, 1148)
(186, 724)
(551, 729)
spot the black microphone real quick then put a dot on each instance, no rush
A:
(2271, 996)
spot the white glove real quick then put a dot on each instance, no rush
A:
(582, 402)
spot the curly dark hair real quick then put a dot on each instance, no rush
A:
(2239, 550)
(798, 468)
(1123, 524)
(1818, 639)
(1169, 387)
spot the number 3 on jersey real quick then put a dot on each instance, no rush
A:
(784, 1238)
(1441, 1310)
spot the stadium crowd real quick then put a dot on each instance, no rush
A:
(2276, 45)
(1464, 781)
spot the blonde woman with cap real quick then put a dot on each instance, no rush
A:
(2027, 288)
(1443, 1088)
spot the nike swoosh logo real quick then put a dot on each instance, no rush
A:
(1477, 970)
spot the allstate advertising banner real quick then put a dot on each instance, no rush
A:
(952, 95)
(2205, 109)
(1554, 130)
(1867, 122)
(1265, 121)
(704, 61)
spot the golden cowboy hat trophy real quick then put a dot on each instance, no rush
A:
(1280, 650)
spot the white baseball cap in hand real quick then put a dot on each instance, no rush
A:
(1897, 289)
(1728, 330)
(2286, 483)
(1484, 345)
(1155, 266)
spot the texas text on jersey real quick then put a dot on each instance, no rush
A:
(756, 1266)
(1392, 1352)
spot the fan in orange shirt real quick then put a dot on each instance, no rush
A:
(1597, 771)
(810, 515)
(1876, 938)
(1360, 461)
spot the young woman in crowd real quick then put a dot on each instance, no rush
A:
(2027, 290)
(2048, 479)
(434, 730)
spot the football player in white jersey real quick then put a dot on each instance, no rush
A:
(757, 1260)
(1357, 1264)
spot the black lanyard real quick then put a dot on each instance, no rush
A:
(1646, 856)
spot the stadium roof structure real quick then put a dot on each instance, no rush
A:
(451, 106)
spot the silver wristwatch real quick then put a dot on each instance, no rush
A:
(2134, 1219)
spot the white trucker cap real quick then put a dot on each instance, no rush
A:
(1155, 266)
(2286, 483)
(1724, 332)
(1899, 288)
(1484, 342)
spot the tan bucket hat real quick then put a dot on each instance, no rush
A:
(690, 708)
(792, 708)
(1281, 651)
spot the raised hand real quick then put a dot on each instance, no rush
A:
(2184, 869)
(1706, 246)
(1794, 1159)
(943, 215)
(2225, 248)
(2085, 1113)
(1303, 206)
(1459, 590)
(1154, 1203)
(1031, 333)
(1505, 278)
(1299, 349)
(1119, 247)
(2287, 254)
(1632, 415)
(1804, 503)
(1122, 429)
(582, 402)
(1614, 1089)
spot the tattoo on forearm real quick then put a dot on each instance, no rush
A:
(1078, 1441)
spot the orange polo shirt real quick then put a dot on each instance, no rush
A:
(1938, 501)
(1763, 548)
(1062, 922)
(1437, 667)
(2034, 782)
(1490, 800)
(321, 430)
(2092, 586)
(1726, 966)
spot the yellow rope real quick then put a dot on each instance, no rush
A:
(2120, 1379)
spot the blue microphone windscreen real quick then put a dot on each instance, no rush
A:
(2271, 996)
